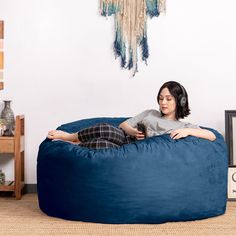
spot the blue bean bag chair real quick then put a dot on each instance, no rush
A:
(155, 180)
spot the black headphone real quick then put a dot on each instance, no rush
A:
(182, 99)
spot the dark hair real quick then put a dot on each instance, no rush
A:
(177, 91)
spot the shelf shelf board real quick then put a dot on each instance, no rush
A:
(7, 186)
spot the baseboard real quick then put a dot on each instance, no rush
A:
(30, 188)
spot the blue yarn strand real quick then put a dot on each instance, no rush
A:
(117, 45)
(152, 8)
(104, 9)
(131, 63)
(119, 48)
(145, 51)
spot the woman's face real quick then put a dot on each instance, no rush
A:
(167, 104)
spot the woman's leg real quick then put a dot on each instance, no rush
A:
(62, 135)
(99, 131)
(98, 144)
(103, 131)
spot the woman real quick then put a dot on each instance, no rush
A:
(173, 104)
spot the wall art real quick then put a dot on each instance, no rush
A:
(232, 183)
(230, 135)
(131, 27)
(1, 53)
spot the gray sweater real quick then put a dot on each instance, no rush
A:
(157, 124)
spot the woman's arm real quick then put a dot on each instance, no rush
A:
(131, 131)
(199, 132)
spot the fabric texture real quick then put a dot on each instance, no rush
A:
(156, 124)
(150, 181)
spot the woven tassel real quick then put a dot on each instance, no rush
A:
(130, 64)
(152, 8)
(145, 51)
(119, 48)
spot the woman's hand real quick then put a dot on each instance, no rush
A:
(131, 131)
(199, 132)
(180, 133)
(138, 134)
(134, 132)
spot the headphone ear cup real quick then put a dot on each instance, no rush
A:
(182, 100)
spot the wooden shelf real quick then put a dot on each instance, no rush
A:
(10, 186)
(15, 145)
(7, 144)
(7, 186)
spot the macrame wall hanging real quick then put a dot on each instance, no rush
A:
(131, 27)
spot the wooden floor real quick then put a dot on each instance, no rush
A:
(23, 217)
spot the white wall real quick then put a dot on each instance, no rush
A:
(60, 67)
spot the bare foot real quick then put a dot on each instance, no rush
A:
(62, 135)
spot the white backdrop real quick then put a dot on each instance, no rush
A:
(60, 67)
